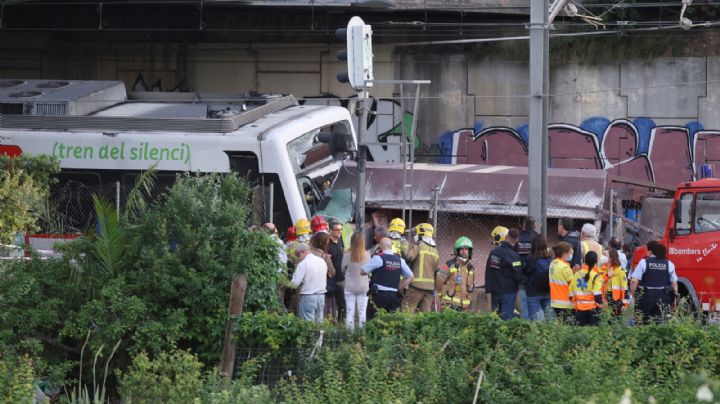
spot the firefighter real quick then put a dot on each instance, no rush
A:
(302, 230)
(396, 232)
(318, 224)
(424, 255)
(585, 292)
(454, 280)
(503, 272)
(290, 245)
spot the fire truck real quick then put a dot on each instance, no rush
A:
(692, 238)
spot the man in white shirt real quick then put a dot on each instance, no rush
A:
(311, 277)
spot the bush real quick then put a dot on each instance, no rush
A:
(16, 379)
(157, 282)
(174, 377)
(432, 357)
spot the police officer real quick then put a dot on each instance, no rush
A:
(387, 268)
(656, 277)
(454, 281)
(503, 272)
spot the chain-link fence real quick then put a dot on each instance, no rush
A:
(632, 216)
(270, 365)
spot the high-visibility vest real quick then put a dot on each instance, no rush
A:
(424, 267)
(618, 285)
(583, 292)
(590, 245)
(602, 273)
(560, 277)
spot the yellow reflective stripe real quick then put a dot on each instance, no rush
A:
(517, 264)
(561, 303)
(456, 300)
(583, 294)
(453, 270)
(558, 282)
(421, 267)
(617, 287)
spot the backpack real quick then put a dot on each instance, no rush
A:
(540, 278)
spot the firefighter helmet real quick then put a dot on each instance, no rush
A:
(424, 230)
(397, 225)
(290, 234)
(463, 242)
(499, 234)
(318, 224)
(302, 228)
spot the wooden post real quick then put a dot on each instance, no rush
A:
(237, 299)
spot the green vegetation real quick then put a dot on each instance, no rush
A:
(24, 184)
(155, 280)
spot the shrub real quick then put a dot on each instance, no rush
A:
(157, 282)
(16, 379)
(174, 377)
(431, 357)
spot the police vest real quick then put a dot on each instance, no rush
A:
(388, 274)
(656, 274)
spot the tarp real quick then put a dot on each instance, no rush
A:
(487, 190)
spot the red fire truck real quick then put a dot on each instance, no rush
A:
(692, 238)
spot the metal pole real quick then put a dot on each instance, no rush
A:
(117, 198)
(537, 153)
(361, 158)
(272, 201)
(436, 193)
(413, 128)
(612, 213)
(403, 148)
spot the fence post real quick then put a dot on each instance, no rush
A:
(237, 299)
(434, 210)
(117, 198)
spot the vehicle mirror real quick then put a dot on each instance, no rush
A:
(678, 211)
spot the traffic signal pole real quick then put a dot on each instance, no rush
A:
(362, 112)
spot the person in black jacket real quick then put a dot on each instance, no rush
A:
(336, 251)
(503, 273)
(572, 237)
(524, 248)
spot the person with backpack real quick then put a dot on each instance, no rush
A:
(537, 279)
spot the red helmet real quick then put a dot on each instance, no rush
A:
(290, 235)
(318, 224)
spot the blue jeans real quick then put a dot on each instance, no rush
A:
(539, 307)
(504, 304)
(523, 301)
(311, 307)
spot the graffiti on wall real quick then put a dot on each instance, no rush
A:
(383, 128)
(637, 149)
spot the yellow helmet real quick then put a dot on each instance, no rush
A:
(499, 234)
(397, 225)
(302, 227)
(424, 230)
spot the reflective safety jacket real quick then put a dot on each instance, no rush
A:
(590, 245)
(400, 246)
(560, 277)
(426, 261)
(586, 293)
(618, 285)
(454, 283)
(603, 275)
